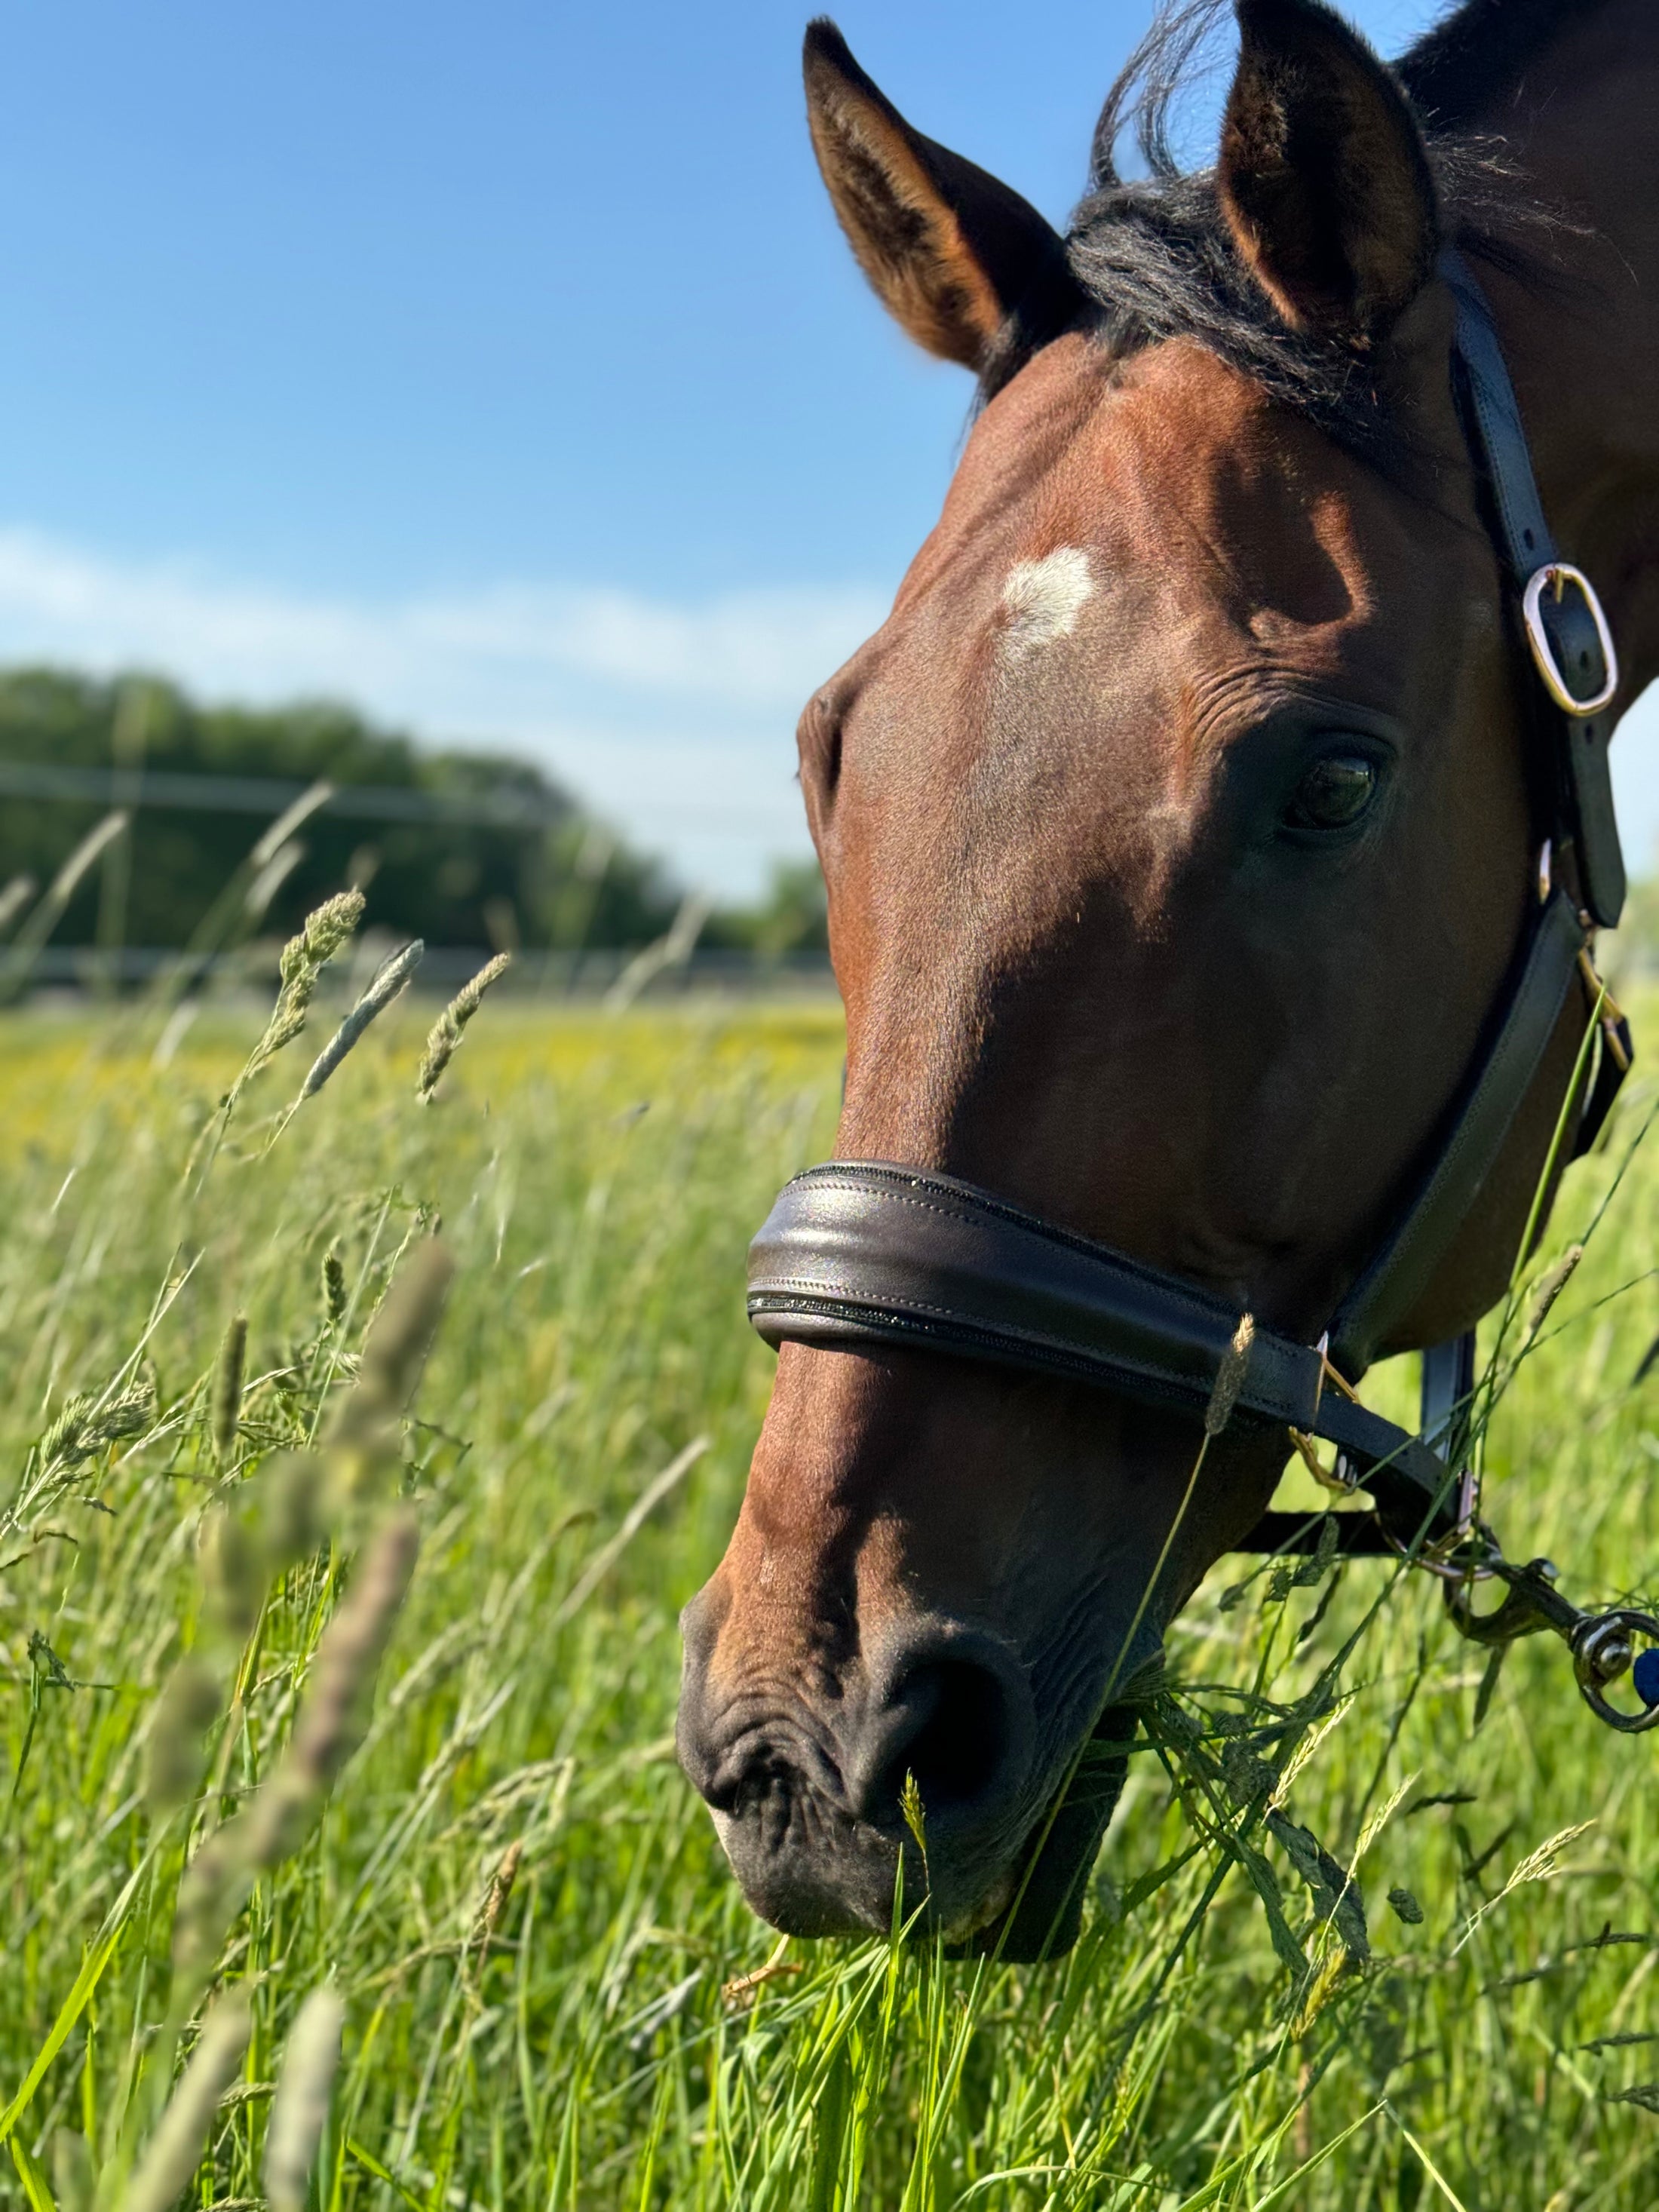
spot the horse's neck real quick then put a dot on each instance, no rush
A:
(1582, 133)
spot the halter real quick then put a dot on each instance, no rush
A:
(866, 1253)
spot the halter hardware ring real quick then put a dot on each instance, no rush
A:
(1553, 577)
(1602, 1650)
(1602, 1644)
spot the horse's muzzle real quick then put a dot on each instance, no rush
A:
(809, 1789)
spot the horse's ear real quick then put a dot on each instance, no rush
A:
(956, 256)
(1323, 178)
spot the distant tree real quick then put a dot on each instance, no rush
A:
(792, 917)
(1632, 953)
(556, 879)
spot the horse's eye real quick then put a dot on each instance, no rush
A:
(1333, 793)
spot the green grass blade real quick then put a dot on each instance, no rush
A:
(91, 1973)
(40, 2197)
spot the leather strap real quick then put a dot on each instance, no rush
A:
(1402, 1270)
(861, 1254)
(865, 1251)
(1447, 1386)
(1582, 794)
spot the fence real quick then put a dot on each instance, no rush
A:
(78, 970)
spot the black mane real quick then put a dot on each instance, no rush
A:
(1155, 257)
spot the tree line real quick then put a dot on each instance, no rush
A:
(500, 854)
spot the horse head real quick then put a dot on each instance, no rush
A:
(1178, 839)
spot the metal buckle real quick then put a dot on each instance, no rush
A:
(1554, 576)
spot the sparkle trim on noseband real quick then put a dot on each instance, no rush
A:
(871, 1253)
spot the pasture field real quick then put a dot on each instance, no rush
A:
(522, 1907)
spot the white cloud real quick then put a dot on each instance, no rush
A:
(751, 650)
(763, 649)
(676, 719)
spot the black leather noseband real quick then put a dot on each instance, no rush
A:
(862, 1253)
(872, 1254)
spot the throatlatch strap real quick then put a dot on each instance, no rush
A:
(1385, 1294)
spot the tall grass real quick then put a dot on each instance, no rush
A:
(510, 1910)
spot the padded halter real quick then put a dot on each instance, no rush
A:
(872, 1253)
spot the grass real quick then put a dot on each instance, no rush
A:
(553, 1994)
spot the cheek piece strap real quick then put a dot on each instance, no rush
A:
(872, 1255)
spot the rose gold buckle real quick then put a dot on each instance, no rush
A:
(1554, 576)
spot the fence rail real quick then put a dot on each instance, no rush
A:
(273, 795)
(80, 969)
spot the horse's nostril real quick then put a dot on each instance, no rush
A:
(955, 1724)
(960, 1743)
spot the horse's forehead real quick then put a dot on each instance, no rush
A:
(1170, 468)
(1099, 505)
(1134, 559)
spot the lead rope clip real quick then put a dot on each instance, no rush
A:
(1602, 1644)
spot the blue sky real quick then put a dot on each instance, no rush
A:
(499, 367)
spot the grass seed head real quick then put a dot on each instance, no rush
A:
(445, 1033)
(1334, 1970)
(300, 2109)
(83, 1427)
(187, 1707)
(1314, 1568)
(333, 1719)
(128, 1415)
(915, 1813)
(1551, 1284)
(395, 1351)
(365, 1432)
(18, 891)
(294, 1517)
(236, 1572)
(390, 979)
(174, 2151)
(227, 1400)
(63, 1443)
(1229, 1378)
(334, 1286)
(327, 930)
(497, 1896)
(335, 1714)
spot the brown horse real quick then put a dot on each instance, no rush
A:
(1178, 835)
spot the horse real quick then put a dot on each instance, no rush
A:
(1184, 827)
